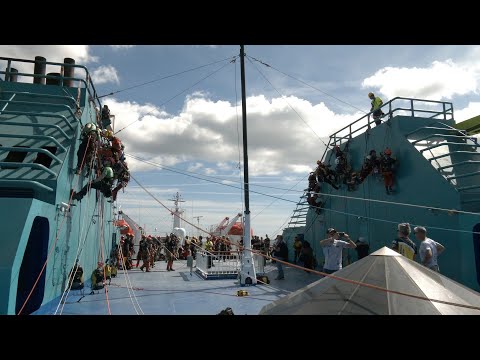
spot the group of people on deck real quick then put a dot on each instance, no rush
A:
(427, 251)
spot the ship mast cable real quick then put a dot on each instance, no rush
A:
(238, 140)
(56, 238)
(353, 198)
(80, 248)
(166, 77)
(284, 98)
(359, 283)
(430, 208)
(307, 84)
(176, 95)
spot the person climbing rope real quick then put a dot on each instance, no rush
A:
(122, 174)
(105, 119)
(86, 148)
(103, 183)
(387, 165)
(376, 104)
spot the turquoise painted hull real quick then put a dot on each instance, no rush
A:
(417, 181)
(35, 229)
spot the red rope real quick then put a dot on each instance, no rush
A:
(315, 271)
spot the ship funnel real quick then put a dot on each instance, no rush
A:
(54, 81)
(40, 68)
(12, 76)
(68, 71)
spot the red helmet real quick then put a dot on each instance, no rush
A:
(388, 151)
(116, 144)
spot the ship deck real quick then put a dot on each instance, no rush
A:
(162, 292)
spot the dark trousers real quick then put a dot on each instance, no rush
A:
(97, 185)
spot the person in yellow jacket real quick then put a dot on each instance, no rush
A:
(108, 272)
(297, 246)
(376, 104)
(98, 278)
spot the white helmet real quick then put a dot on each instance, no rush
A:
(90, 127)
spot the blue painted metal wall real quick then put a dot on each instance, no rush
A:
(82, 222)
(416, 182)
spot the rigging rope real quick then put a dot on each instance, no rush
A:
(307, 84)
(348, 197)
(359, 283)
(175, 96)
(283, 97)
(165, 77)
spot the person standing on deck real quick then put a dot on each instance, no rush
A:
(333, 250)
(376, 104)
(280, 253)
(297, 246)
(403, 244)
(429, 249)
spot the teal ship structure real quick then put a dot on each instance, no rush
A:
(437, 185)
(43, 231)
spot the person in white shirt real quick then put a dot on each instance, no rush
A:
(332, 249)
(429, 249)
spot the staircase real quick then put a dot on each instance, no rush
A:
(455, 155)
(299, 216)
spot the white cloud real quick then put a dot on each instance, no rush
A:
(105, 74)
(195, 166)
(205, 131)
(54, 53)
(473, 109)
(440, 80)
(121, 47)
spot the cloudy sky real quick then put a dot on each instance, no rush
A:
(188, 122)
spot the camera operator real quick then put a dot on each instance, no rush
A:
(332, 249)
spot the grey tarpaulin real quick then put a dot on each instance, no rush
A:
(387, 269)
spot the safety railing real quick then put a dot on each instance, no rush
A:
(225, 263)
(397, 106)
(87, 80)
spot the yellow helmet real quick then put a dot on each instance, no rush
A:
(370, 94)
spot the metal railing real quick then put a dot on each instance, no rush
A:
(390, 108)
(224, 263)
(87, 80)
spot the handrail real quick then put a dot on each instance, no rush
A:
(446, 111)
(441, 135)
(37, 150)
(456, 164)
(9, 112)
(9, 165)
(40, 95)
(38, 137)
(88, 82)
(25, 184)
(41, 104)
(453, 152)
(447, 143)
(449, 178)
(56, 127)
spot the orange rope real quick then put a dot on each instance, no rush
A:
(315, 271)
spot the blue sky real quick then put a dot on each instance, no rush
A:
(198, 130)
